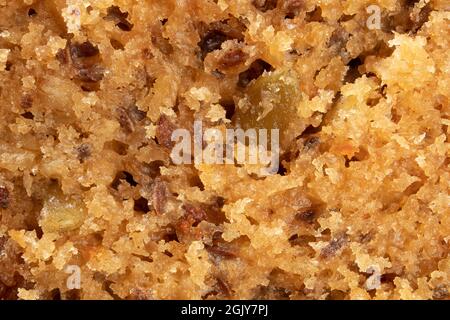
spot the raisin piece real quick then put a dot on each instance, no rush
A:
(293, 7)
(4, 197)
(162, 44)
(31, 12)
(164, 132)
(265, 5)
(28, 115)
(124, 120)
(159, 195)
(83, 50)
(91, 74)
(136, 114)
(114, 12)
(196, 213)
(334, 246)
(220, 252)
(307, 216)
(232, 59)
(62, 56)
(440, 292)
(26, 101)
(120, 18)
(141, 205)
(421, 18)
(311, 142)
(212, 41)
(83, 152)
(129, 117)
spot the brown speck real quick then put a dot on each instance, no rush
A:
(28, 115)
(221, 252)
(334, 246)
(195, 212)
(338, 42)
(223, 287)
(3, 241)
(147, 54)
(162, 44)
(136, 115)
(307, 216)
(32, 12)
(159, 195)
(232, 59)
(94, 73)
(4, 197)
(26, 102)
(418, 20)
(128, 117)
(213, 35)
(140, 294)
(83, 152)
(440, 292)
(365, 238)
(212, 41)
(120, 18)
(265, 5)
(83, 50)
(74, 294)
(311, 142)
(220, 289)
(116, 44)
(141, 205)
(192, 217)
(62, 56)
(293, 7)
(114, 13)
(164, 132)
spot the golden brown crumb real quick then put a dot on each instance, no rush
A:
(93, 206)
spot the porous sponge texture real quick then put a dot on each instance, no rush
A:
(91, 92)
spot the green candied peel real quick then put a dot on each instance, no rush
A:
(270, 101)
(62, 214)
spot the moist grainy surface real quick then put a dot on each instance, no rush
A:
(91, 91)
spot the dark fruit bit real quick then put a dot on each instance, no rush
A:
(83, 50)
(293, 7)
(164, 132)
(128, 117)
(83, 152)
(265, 5)
(212, 41)
(62, 56)
(159, 195)
(306, 216)
(334, 246)
(311, 142)
(120, 18)
(440, 292)
(26, 101)
(232, 59)
(195, 213)
(220, 252)
(92, 74)
(4, 197)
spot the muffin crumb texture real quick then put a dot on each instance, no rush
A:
(91, 92)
